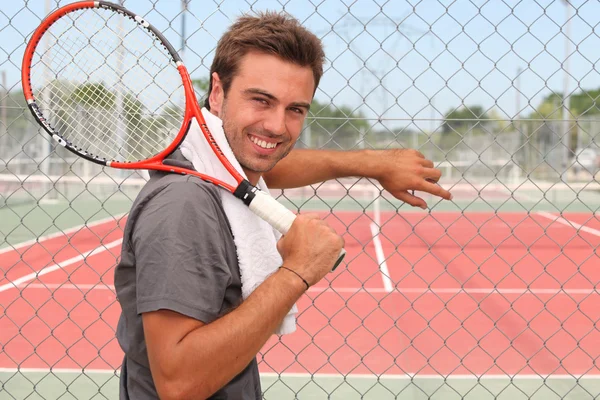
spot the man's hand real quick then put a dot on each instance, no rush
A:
(310, 248)
(402, 170)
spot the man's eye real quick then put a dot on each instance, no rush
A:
(298, 110)
(260, 100)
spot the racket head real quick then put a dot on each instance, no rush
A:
(107, 85)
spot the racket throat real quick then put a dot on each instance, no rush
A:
(245, 192)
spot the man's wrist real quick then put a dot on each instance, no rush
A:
(297, 274)
(357, 163)
(293, 279)
(369, 163)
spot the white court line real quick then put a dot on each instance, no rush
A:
(327, 376)
(425, 376)
(59, 370)
(68, 286)
(458, 290)
(101, 286)
(59, 233)
(385, 273)
(52, 268)
(570, 224)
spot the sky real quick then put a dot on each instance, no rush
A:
(397, 60)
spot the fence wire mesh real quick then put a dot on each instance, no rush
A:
(494, 294)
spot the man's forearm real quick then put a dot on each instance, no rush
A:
(306, 166)
(230, 343)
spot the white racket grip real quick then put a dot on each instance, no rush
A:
(279, 217)
(272, 211)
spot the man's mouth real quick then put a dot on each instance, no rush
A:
(263, 143)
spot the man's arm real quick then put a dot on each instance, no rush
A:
(192, 360)
(397, 170)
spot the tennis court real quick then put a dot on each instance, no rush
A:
(493, 295)
(437, 304)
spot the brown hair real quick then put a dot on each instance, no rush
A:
(270, 33)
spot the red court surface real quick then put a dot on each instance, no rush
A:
(472, 293)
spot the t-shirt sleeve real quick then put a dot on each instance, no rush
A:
(180, 253)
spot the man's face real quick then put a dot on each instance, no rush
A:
(264, 110)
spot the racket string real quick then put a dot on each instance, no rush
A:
(114, 98)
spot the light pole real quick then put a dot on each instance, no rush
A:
(565, 112)
(3, 118)
(184, 7)
(46, 97)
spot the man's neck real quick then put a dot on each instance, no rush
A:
(253, 176)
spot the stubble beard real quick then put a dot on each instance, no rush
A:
(236, 143)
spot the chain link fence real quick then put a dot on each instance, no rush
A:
(494, 294)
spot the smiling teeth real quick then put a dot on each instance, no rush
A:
(263, 144)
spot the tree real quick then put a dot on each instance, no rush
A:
(201, 88)
(463, 119)
(585, 103)
(460, 122)
(17, 115)
(92, 117)
(335, 126)
(15, 125)
(95, 95)
(117, 122)
(549, 108)
(136, 129)
(201, 84)
(581, 104)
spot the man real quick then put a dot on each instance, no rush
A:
(184, 329)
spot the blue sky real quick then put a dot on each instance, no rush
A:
(452, 52)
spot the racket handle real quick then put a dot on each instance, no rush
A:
(279, 217)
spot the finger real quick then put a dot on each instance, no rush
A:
(427, 163)
(417, 153)
(412, 200)
(432, 175)
(435, 190)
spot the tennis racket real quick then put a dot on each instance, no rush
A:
(111, 89)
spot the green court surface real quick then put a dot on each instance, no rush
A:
(105, 384)
(32, 220)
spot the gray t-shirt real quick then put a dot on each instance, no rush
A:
(178, 254)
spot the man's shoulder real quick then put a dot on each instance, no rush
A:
(177, 186)
(178, 189)
(174, 197)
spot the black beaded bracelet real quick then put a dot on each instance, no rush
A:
(303, 280)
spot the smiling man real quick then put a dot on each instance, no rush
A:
(184, 328)
(263, 109)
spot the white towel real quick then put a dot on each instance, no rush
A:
(255, 239)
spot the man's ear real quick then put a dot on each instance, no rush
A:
(217, 95)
